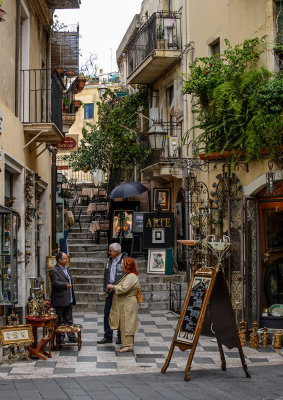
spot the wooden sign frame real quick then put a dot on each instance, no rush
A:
(207, 288)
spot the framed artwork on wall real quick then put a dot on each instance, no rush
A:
(156, 261)
(162, 197)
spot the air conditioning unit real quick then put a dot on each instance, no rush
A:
(173, 146)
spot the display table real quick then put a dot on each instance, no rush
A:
(49, 323)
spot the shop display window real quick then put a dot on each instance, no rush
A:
(8, 255)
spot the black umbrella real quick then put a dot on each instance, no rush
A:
(127, 190)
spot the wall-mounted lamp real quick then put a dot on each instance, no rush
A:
(101, 90)
(157, 136)
(270, 178)
(31, 211)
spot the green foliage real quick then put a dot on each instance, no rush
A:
(113, 142)
(237, 104)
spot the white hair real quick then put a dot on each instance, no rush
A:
(116, 247)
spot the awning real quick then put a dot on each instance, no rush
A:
(42, 132)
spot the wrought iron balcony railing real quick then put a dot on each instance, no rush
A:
(161, 32)
(41, 97)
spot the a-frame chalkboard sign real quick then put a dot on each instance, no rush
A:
(207, 289)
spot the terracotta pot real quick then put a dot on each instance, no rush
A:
(70, 74)
(229, 154)
(77, 103)
(2, 13)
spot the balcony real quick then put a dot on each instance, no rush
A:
(40, 101)
(156, 47)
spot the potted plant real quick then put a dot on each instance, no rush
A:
(81, 82)
(2, 12)
(77, 104)
(161, 42)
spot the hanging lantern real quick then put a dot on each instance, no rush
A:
(270, 178)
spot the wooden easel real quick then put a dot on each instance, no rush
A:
(207, 288)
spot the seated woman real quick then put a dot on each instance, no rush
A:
(124, 310)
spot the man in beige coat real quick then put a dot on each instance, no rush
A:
(124, 310)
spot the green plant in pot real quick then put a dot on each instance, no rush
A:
(237, 103)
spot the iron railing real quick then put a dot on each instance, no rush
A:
(64, 167)
(41, 97)
(175, 293)
(162, 31)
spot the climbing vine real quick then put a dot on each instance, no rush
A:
(238, 105)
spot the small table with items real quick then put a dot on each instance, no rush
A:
(49, 323)
(69, 328)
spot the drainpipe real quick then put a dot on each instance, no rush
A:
(17, 56)
(53, 152)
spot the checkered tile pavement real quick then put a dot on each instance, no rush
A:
(151, 348)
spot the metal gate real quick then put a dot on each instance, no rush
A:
(244, 259)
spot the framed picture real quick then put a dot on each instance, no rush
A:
(124, 222)
(138, 222)
(162, 197)
(158, 235)
(16, 334)
(156, 261)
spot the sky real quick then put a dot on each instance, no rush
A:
(103, 24)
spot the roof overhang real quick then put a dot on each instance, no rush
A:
(154, 66)
(163, 170)
(42, 132)
(63, 4)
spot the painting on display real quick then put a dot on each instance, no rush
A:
(162, 198)
(156, 261)
(125, 223)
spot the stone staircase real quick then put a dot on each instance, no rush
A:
(88, 260)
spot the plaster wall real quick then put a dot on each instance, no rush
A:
(12, 139)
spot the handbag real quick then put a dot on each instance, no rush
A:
(139, 295)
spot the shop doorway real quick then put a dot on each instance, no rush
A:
(271, 247)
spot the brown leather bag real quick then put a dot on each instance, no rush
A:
(139, 295)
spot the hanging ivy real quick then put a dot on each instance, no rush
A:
(238, 105)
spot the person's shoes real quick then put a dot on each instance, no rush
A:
(73, 340)
(126, 349)
(118, 340)
(104, 340)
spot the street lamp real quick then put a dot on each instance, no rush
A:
(102, 90)
(270, 178)
(157, 136)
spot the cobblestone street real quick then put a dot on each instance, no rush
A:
(101, 372)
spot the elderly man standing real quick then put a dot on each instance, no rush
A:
(62, 294)
(112, 274)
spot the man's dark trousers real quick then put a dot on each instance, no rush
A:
(65, 317)
(108, 333)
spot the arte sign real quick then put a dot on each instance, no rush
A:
(67, 143)
(158, 230)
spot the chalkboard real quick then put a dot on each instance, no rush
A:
(207, 288)
(193, 309)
